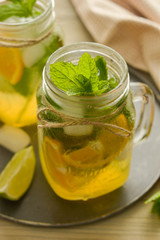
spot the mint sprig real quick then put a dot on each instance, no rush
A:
(19, 8)
(89, 77)
(155, 199)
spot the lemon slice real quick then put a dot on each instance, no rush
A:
(17, 176)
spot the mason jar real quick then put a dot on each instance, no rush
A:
(25, 45)
(86, 142)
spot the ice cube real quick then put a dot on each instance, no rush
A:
(78, 130)
(32, 54)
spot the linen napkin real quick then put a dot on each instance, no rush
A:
(131, 27)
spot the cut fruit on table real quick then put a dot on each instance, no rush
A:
(11, 64)
(17, 176)
(12, 138)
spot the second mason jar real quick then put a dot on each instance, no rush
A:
(25, 45)
(86, 142)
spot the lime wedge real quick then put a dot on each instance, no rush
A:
(17, 176)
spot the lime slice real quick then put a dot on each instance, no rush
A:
(17, 176)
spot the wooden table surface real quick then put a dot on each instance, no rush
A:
(134, 223)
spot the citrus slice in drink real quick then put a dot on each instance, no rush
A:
(53, 152)
(56, 167)
(11, 64)
(17, 176)
(89, 156)
(113, 143)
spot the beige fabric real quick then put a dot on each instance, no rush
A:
(132, 27)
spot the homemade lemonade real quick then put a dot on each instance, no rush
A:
(87, 166)
(28, 36)
(86, 124)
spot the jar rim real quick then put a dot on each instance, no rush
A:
(51, 5)
(82, 46)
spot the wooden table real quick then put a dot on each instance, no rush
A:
(134, 223)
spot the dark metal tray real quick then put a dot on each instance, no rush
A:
(40, 206)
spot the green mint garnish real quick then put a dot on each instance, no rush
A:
(87, 69)
(19, 8)
(64, 74)
(89, 77)
(101, 66)
(112, 83)
(155, 198)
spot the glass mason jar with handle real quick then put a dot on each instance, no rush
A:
(86, 142)
(25, 45)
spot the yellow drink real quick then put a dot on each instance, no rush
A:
(89, 168)
(25, 44)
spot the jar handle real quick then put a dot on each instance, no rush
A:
(143, 94)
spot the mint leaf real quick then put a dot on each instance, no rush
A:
(86, 83)
(19, 8)
(87, 68)
(63, 75)
(101, 66)
(155, 198)
(75, 91)
(89, 77)
(112, 83)
(85, 65)
(12, 9)
(156, 207)
(103, 86)
(30, 4)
